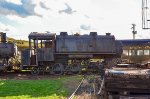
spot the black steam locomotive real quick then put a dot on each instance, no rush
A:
(8, 51)
(69, 53)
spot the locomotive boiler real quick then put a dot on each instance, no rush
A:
(68, 53)
(7, 51)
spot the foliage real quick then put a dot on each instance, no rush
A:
(21, 44)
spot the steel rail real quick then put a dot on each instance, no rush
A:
(102, 84)
(73, 94)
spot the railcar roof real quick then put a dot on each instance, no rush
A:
(130, 42)
(41, 36)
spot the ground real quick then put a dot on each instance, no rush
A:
(26, 86)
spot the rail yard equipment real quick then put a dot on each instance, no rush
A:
(127, 80)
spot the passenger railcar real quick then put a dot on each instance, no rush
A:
(136, 51)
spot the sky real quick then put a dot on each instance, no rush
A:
(18, 18)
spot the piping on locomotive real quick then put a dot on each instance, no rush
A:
(69, 53)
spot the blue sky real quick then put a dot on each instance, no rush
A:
(20, 17)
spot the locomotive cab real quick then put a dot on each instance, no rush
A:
(41, 49)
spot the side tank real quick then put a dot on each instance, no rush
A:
(93, 43)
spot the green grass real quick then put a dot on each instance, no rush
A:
(34, 89)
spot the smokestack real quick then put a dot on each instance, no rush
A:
(3, 37)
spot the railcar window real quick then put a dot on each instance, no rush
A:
(133, 52)
(125, 52)
(130, 52)
(146, 52)
(139, 52)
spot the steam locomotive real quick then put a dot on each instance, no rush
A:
(58, 54)
(8, 51)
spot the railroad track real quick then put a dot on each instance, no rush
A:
(87, 88)
(73, 94)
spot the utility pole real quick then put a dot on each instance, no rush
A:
(133, 30)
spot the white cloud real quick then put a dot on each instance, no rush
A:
(67, 10)
(15, 1)
(24, 10)
(3, 27)
(85, 27)
(43, 5)
(10, 30)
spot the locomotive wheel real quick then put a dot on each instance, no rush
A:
(75, 69)
(58, 69)
(35, 71)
